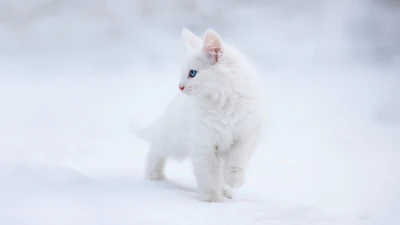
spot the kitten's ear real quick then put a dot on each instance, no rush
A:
(212, 46)
(190, 39)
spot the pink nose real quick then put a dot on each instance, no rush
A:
(181, 88)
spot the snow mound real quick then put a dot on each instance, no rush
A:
(25, 176)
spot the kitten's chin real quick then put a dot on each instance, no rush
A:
(190, 93)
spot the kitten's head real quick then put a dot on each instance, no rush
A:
(201, 66)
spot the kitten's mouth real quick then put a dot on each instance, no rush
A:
(190, 90)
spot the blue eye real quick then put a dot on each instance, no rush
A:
(192, 73)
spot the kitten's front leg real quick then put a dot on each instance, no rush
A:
(207, 168)
(235, 164)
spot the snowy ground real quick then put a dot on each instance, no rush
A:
(330, 154)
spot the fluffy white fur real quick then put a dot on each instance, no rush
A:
(216, 121)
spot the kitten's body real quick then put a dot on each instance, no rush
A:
(216, 122)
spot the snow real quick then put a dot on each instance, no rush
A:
(75, 74)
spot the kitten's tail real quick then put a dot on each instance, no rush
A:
(140, 131)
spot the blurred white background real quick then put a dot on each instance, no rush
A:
(75, 73)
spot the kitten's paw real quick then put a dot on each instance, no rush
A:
(210, 198)
(227, 192)
(234, 176)
(154, 176)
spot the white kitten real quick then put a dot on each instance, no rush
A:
(216, 121)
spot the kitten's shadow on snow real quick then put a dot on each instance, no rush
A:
(171, 185)
(129, 185)
(191, 192)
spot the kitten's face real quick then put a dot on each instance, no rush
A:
(194, 73)
(197, 76)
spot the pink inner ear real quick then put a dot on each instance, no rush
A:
(214, 53)
(212, 46)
